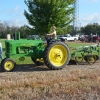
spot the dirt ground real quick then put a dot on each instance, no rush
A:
(31, 82)
(27, 68)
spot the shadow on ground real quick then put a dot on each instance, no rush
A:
(28, 68)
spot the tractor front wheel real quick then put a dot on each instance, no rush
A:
(8, 64)
(56, 55)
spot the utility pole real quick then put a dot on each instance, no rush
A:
(75, 17)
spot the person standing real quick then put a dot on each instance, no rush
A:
(1, 51)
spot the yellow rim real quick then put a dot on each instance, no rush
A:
(79, 58)
(91, 60)
(58, 55)
(9, 65)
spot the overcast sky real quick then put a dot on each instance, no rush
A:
(12, 12)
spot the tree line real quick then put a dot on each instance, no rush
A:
(5, 29)
(25, 30)
(91, 28)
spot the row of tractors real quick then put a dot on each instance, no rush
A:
(87, 38)
(55, 54)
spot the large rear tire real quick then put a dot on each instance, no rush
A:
(56, 55)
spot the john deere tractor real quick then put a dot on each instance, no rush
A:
(55, 55)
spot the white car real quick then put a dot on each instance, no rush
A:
(69, 38)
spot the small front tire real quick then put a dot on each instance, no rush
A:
(8, 65)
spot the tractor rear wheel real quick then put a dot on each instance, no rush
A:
(56, 55)
(8, 64)
(38, 62)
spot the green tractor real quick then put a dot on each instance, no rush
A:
(55, 55)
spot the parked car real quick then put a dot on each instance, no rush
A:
(34, 37)
(68, 37)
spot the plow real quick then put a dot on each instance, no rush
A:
(55, 54)
(87, 54)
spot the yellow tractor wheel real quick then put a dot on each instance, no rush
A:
(8, 65)
(56, 55)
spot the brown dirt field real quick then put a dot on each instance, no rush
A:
(31, 82)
